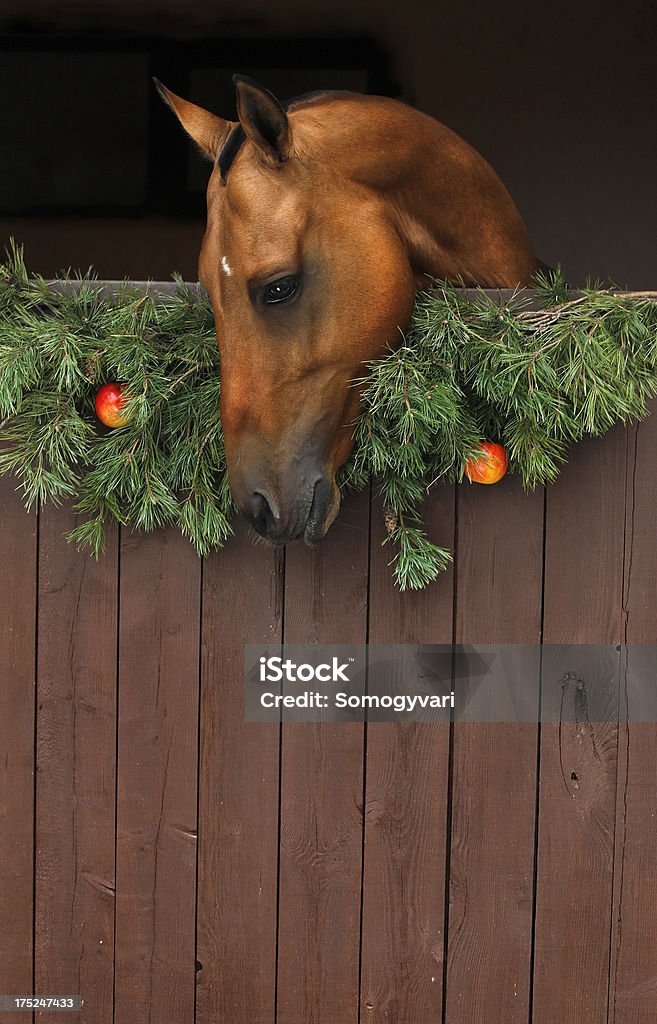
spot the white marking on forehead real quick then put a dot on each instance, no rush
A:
(226, 267)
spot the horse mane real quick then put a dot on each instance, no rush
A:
(237, 136)
(230, 149)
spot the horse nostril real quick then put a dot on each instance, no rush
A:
(261, 514)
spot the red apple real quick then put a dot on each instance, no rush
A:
(490, 466)
(110, 401)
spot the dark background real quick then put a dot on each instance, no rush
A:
(562, 100)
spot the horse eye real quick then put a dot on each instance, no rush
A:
(281, 290)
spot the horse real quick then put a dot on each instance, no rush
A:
(325, 216)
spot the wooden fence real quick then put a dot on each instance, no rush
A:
(171, 863)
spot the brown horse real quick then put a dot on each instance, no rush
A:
(325, 216)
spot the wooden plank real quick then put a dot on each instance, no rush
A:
(76, 747)
(322, 790)
(159, 620)
(499, 580)
(406, 794)
(583, 595)
(165, 291)
(238, 799)
(633, 978)
(18, 557)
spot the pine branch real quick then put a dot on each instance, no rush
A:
(469, 369)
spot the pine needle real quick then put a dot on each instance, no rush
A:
(469, 369)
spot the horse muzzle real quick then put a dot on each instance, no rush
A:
(306, 512)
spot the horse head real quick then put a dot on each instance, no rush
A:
(324, 217)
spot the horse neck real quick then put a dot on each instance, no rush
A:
(456, 218)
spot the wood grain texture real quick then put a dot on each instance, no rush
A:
(18, 557)
(578, 763)
(75, 793)
(322, 790)
(498, 601)
(238, 798)
(633, 973)
(249, 941)
(407, 785)
(159, 616)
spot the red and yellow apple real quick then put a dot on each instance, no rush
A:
(110, 402)
(490, 466)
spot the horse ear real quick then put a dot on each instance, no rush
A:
(207, 130)
(263, 119)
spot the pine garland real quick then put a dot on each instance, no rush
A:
(469, 369)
